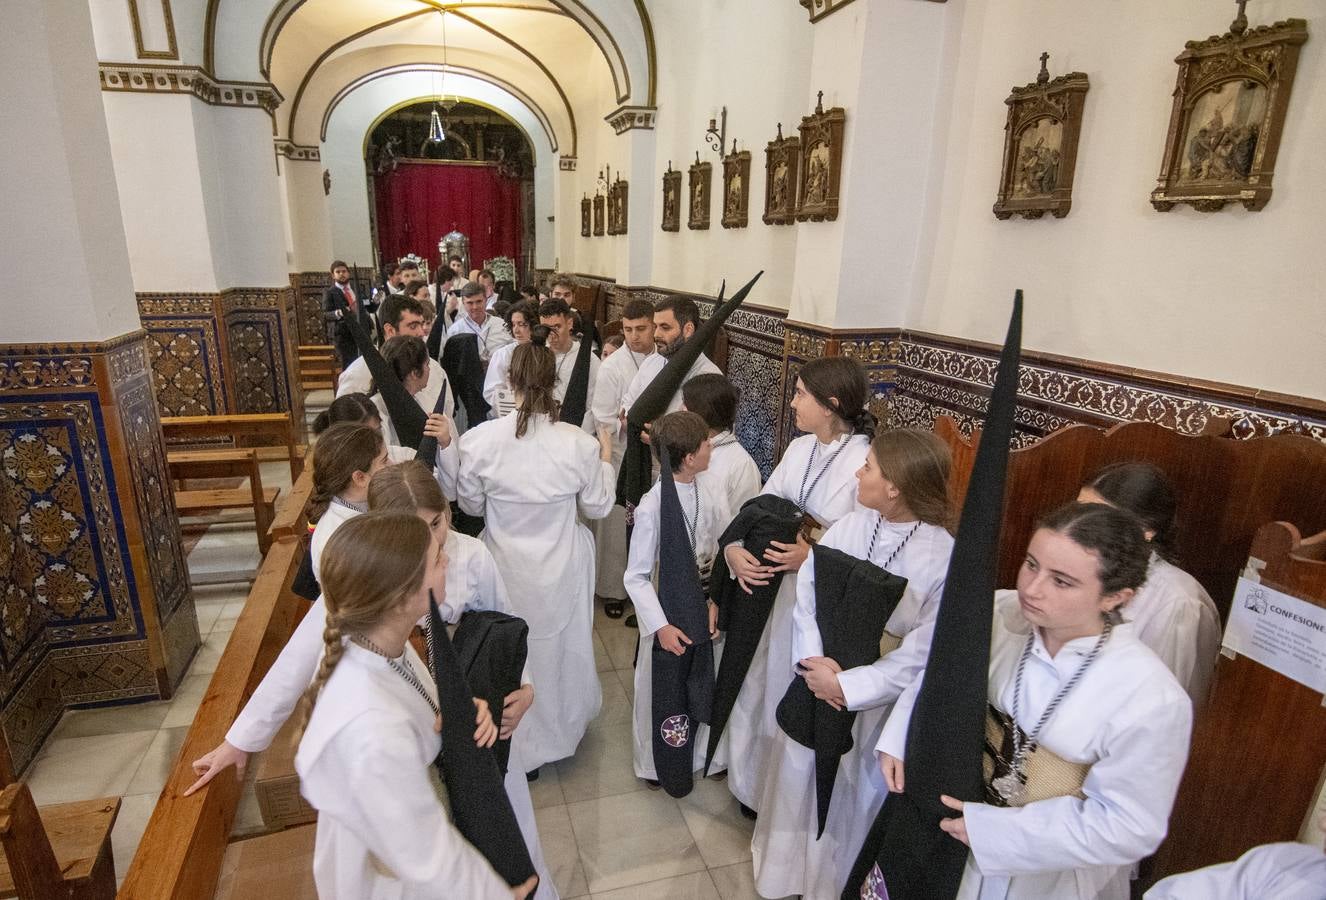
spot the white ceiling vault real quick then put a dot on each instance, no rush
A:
(556, 57)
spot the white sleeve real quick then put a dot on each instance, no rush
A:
(1128, 791)
(599, 492)
(606, 389)
(468, 487)
(633, 389)
(866, 687)
(280, 689)
(806, 640)
(390, 807)
(638, 579)
(745, 483)
(494, 378)
(893, 739)
(779, 483)
(356, 379)
(448, 463)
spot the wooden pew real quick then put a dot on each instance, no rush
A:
(240, 429)
(318, 367)
(62, 850)
(238, 463)
(181, 851)
(292, 512)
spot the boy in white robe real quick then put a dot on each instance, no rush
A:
(705, 511)
(714, 398)
(488, 329)
(556, 316)
(1285, 871)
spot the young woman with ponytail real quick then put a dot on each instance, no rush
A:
(369, 726)
(532, 478)
(818, 474)
(344, 459)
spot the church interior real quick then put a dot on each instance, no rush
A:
(186, 172)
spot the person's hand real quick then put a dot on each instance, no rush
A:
(957, 827)
(521, 891)
(713, 620)
(438, 427)
(821, 674)
(672, 639)
(644, 435)
(218, 760)
(514, 707)
(485, 734)
(891, 767)
(746, 568)
(604, 434)
(787, 557)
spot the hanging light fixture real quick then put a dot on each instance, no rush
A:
(436, 133)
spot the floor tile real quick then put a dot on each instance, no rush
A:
(616, 708)
(627, 679)
(135, 810)
(601, 767)
(619, 641)
(184, 704)
(695, 886)
(158, 761)
(632, 839)
(602, 662)
(110, 720)
(546, 790)
(209, 654)
(560, 851)
(84, 768)
(735, 882)
(720, 830)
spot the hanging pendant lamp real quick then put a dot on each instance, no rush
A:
(436, 134)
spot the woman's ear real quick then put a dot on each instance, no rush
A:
(1117, 600)
(360, 478)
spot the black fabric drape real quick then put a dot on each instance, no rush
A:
(460, 360)
(427, 452)
(576, 399)
(406, 413)
(491, 647)
(906, 855)
(853, 601)
(741, 616)
(480, 807)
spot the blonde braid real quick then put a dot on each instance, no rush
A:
(332, 651)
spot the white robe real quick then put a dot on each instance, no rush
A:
(788, 858)
(492, 333)
(752, 727)
(732, 468)
(495, 377)
(640, 574)
(357, 379)
(366, 764)
(472, 582)
(614, 378)
(1128, 718)
(1174, 615)
(652, 366)
(1286, 871)
(335, 516)
(530, 491)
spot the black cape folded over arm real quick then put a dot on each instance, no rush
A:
(461, 362)
(480, 807)
(491, 647)
(853, 601)
(742, 617)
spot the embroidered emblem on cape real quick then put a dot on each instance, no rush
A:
(874, 887)
(676, 730)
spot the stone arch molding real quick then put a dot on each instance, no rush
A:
(241, 36)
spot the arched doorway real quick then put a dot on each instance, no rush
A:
(478, 180)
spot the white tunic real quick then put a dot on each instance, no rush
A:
(492, 333)
(652, 366)
(495, 377)
(365, 763)
(472, 583)
(357, 379)
(614, 378)
(787, 856)
(530, 491)
(1286, 871)
(335, 516)
(752, 728)
(1174, 615)
(1128, 718)
(639, 580)
(732, 468)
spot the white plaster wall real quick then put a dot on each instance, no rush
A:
(57, 180)
(1231, 296)
(600, 149)
(114, 31)
(310, 244)
(247, 197)
(343, 153)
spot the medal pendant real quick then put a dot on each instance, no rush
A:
(1009, 786)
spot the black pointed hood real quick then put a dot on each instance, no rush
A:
(576, 399)
(427, 451)
(406, 414)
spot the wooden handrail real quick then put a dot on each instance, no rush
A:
(292, 517)
(180, 853)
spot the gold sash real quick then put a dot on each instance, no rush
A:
(888, 642)
(1048, 774)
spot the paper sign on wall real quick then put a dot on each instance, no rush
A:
(1281, 632)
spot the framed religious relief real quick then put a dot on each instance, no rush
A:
(584, 216)
(1228, 114)
(736, 188)
(617, 206)
(1040, 145)
(598, 215)
(782, 158)
(821, 163)
(702, 175)
(671, 199)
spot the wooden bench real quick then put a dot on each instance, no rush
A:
(241, 429)
(239, 463)
(319, 368)
(62, 850)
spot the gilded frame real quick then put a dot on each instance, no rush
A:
(1041, 135)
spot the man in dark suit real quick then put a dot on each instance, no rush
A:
(340, 294)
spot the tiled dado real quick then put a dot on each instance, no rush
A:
(235, 351)
(309, 288)
(96, 605)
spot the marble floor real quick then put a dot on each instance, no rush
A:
(604, 833)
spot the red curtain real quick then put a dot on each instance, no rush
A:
(418, 203)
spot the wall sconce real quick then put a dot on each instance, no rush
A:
(716, 134)
(605, 178)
